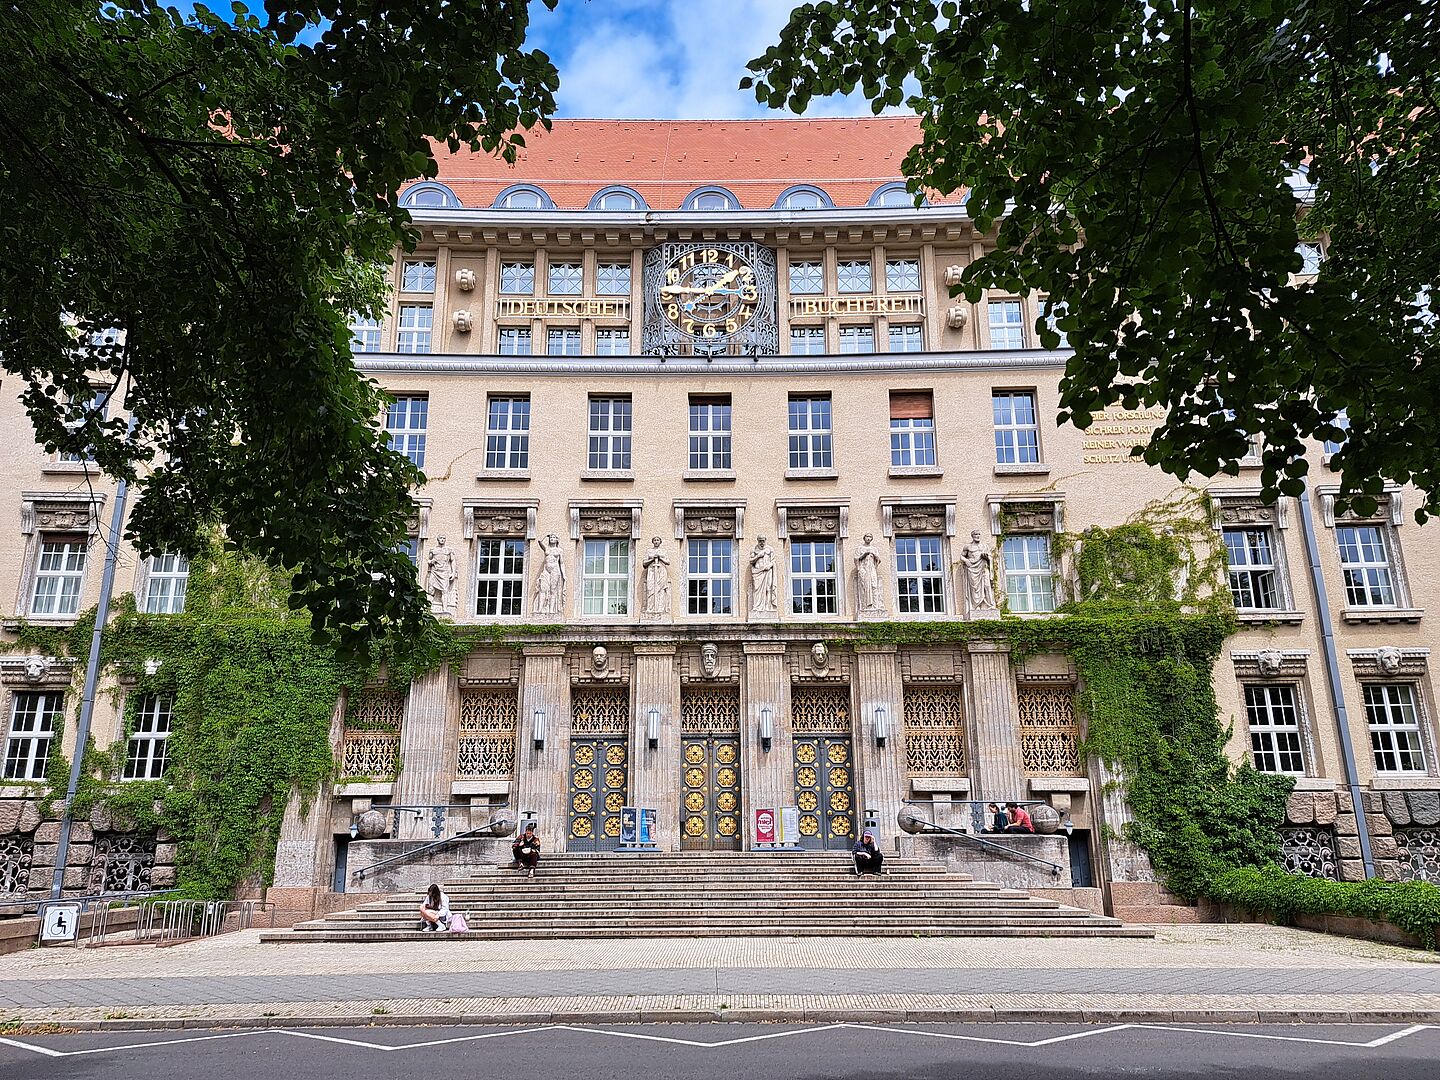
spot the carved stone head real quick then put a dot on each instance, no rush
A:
(869, 538)
(655, 541)
(1388, 660)
(36, 667)
(1268, 661)
(974, 536)
(709, 659)
(819, 656)
(599, 657)
(440, 541)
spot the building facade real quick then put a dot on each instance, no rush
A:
(697, 394)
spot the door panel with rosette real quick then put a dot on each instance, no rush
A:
(823, 767)
(710, 812)
(599, 772)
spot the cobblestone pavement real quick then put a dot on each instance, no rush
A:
(1193, 972)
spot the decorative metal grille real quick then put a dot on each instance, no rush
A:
(376, 710)
(123, 862)
(710, 712)
(820, 711)
(16, 855)
(488, 721)
(600, 711)
(759, 336)
(1049, 735)
(1419, 854)
(369, 754)
(1309, 850)
(934, 731)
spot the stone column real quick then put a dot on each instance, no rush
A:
(427, 751)
(996, 771)
(655, 774)
(883, 780)
(767, 780)
(305, 853)
(541, 780)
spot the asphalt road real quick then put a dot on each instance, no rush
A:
(736, 1052)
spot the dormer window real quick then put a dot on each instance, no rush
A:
(429, 196)
(803, 198)
(712, 198)
(523, 197)
(892, 195)
(616, 199)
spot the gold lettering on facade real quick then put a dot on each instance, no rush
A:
(1109, 440)
(541, 309)
(857, 305)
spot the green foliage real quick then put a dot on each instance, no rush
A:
(1414, 906)
(1136, 161)
(225, 195)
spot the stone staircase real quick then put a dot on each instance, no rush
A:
(737, 894)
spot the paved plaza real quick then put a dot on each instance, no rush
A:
(1238, 972)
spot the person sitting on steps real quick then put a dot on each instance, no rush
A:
(435, 910)
(1019, 819)
(999, 819)
(868, 859)
(526, 849)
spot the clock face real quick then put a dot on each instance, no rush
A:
(709, 293)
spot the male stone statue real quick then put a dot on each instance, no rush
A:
(763, 595)
(869, 593)
(550, 582)
(440, 576)
(978, 565)
(657, 580)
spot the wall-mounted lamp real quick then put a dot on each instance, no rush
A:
(767, 727)
(882, 726)
(1068, 826)
(354, 830)
(538, 729)
(652, 728)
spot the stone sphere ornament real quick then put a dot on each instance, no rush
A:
(370, 825)
(909, 820)
(1045, 818)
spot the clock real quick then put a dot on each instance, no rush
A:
(710, 299)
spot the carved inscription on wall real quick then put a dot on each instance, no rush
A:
(1116, 430)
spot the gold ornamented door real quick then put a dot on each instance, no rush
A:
(599, 778)
(824, 767)
(710, 794)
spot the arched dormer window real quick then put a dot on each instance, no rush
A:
(617, 197)
(710, 198)
(523, 197)
(803, 197)
(429, 195)
(892, 195)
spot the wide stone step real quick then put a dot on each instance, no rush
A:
(673, 918)
(1087, 930)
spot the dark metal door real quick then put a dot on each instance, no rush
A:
(599, 780)
(710, 794)
(825, 792)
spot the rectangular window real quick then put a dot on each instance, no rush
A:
(165, 584)
(418, 275)
(565, 279)
(920, 575)
(902, 275)
(1341, 421)
(1007, 331)
(1394, 728)
(410, 548)
(1274, 720)
(1366, 565)
(515, 341)
(1252, 569)
(710, 433)
(606, 577)
(854, 275)
(416, 321)
(610, 419)
(907, 337)
(810, 433)
(32, 726)
(499, 576)
(615, 342)
(364, 334)
(857, 339)
(563, 341)
(92, 406)
(507, 433)
(1017, 434)
(405, 422)
(1029, 584)
(807, 340)
(613, 279)
(814, 587)
(150, 738)
(806, 279)
(517, 277)
(59, 576)
(709, 571)
(912, 428)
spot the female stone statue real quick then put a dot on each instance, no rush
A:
(870, 595)
(763, 596)
(657, 580)
(550, 582)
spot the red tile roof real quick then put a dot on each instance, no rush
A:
(664, 160)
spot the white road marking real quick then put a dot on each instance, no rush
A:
(705, 1045)
(986, 1039)
(1291, 1038)
(31, 1047)
(1394, 1035)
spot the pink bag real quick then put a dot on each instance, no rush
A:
(458, 925)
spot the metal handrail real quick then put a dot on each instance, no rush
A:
(1055, 867)
(491, 829)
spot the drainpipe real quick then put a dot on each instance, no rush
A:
(1332, 671)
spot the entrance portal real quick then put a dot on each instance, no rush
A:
(599, 768)
(710, 813)
(823, 767)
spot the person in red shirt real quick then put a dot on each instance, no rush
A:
(1019, 819)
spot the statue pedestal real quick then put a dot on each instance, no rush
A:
(975, 614)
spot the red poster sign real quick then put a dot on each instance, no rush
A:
(765, 826)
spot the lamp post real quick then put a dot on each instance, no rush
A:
(767, 727)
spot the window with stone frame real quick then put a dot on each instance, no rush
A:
(814, 582)
(1049, 730)
(902, 275)
(710, 433)
(919, 575)
(1017, 430)
(1342, 422)
(1272, 713)
(1254, 574)
(934, 722)
(610, 434)
(807, 278)
(854, 276)
(566, 278)
(1029, 574)
(612, 341)
(499, 576)
(414, 328)
(807, 340)
(1365, 565)
(92, 406)
(562, 341)
(605, 577)
(857, 340)
(517, 278)
(59, 574)
(417, 276)
(406, 420)
(488, 724)
(709, 575)
(146, 752)
(33, 714)
(907, 337)
(809, 432)
(912, 429)
(1007, 324)
(515, 341)
(1392, 713)
(364, 334)
(612, 279)
(167, 577)
(507, 433)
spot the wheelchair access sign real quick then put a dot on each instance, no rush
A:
(60, 922)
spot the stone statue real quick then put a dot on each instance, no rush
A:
(709, 659)
(978, 565)
(657, 580)
(819, 656)
(440, 576)
(1269, 661)
(1388, 658)
(599, 658)
(869, 593)
(763, 596)
(550, 582)
(36, 668)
